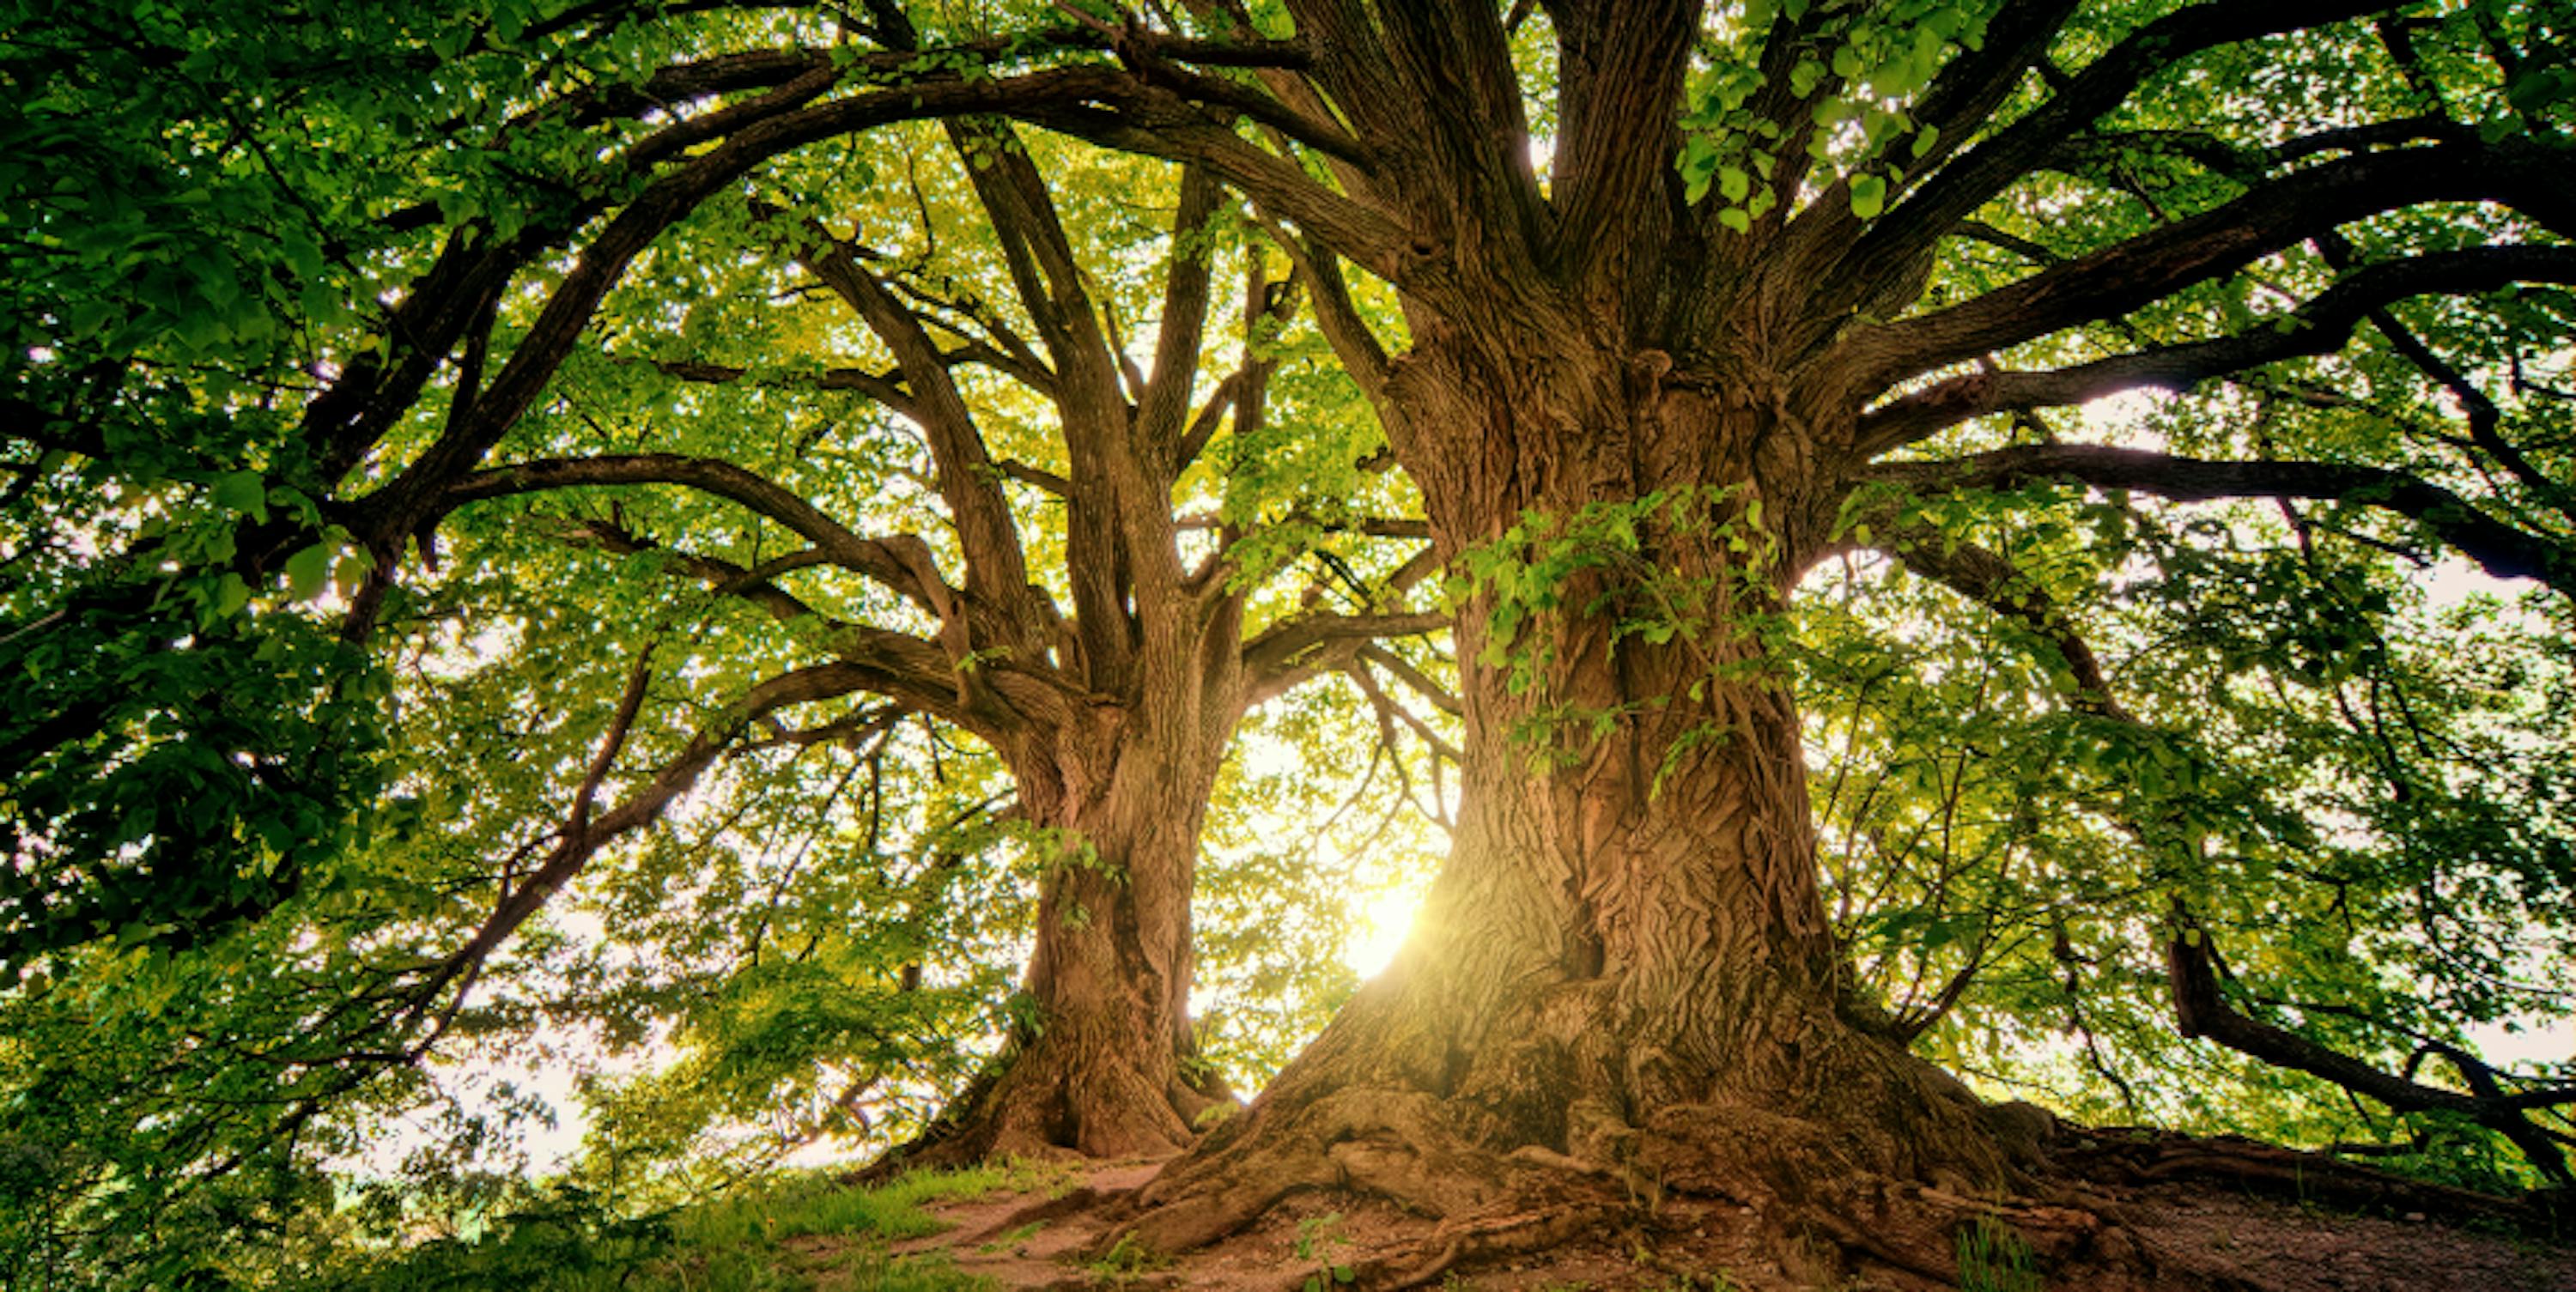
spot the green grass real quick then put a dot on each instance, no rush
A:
(1992, 1258)
(816, 1204)
(737, 1243)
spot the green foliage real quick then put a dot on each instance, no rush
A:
(1322, 1244)
(2001, 850)
(1859, 73)
(196, 221)
(1690, 569)
(284, 737)
(571, 1241)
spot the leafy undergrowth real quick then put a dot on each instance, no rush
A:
(784, 1235)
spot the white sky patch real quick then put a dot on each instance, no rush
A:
(2453, 582)
(2121, 419)
(2519, 1043)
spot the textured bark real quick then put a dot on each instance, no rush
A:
(1623, 982)
(1104, 1067)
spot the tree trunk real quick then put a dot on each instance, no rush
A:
(1104, 1063)
(1623, 982)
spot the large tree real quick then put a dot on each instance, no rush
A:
(1690, 298)
(934, 477)
(1111, 711)
(1710, 370)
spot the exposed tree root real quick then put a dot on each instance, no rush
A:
(1486, 1238)
(1815, 1197)
(1053, 1101)
(1822, 1191)
(1810, 1195)
(2131, 1155)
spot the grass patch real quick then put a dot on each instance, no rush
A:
(1993, 1258)
(797, 1206)
(731, 1244)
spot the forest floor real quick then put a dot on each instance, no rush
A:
(1046, 1231)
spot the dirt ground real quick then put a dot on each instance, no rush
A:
(2189, 1234)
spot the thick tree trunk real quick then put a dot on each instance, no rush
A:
(1104, 1064)
(1623, 981)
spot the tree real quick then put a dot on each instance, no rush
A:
(1624, 367)
(1692, 299)
(269, 452)
(1111, 718)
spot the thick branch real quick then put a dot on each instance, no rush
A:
(902, 562)
(1423, 684)
(2121, 279)
(2322, 326)
(1163, 414)
(1915, 227)
(2483, 416)
(1290, 652)
(996, 564)
(1620, 73)
(2503, 550)
(1150, 120)
(1118, 113)
(2201, 1010)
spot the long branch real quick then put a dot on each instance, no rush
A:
(583, 836)
(1915, 227)
(2201, 1010)
(2127, 276)
(1290, 652)
(2321, 326)
(1989, 579)
(902, 562)
(2503, 550)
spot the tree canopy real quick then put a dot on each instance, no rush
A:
(890, 564)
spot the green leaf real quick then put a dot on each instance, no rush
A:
(244, 492)
(1868, 195)
(350, 571)
(309, 570)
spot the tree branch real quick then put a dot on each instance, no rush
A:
(882, 387)
(1988, 579)
(2321, 326)
(902, 562)
(1163, 413)
(2201, 1010)
(2503, 550)
(2120, 279)
(1292, 651)
(582, 837)
(1423, 684)
(997, 571)
(1913, 229)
